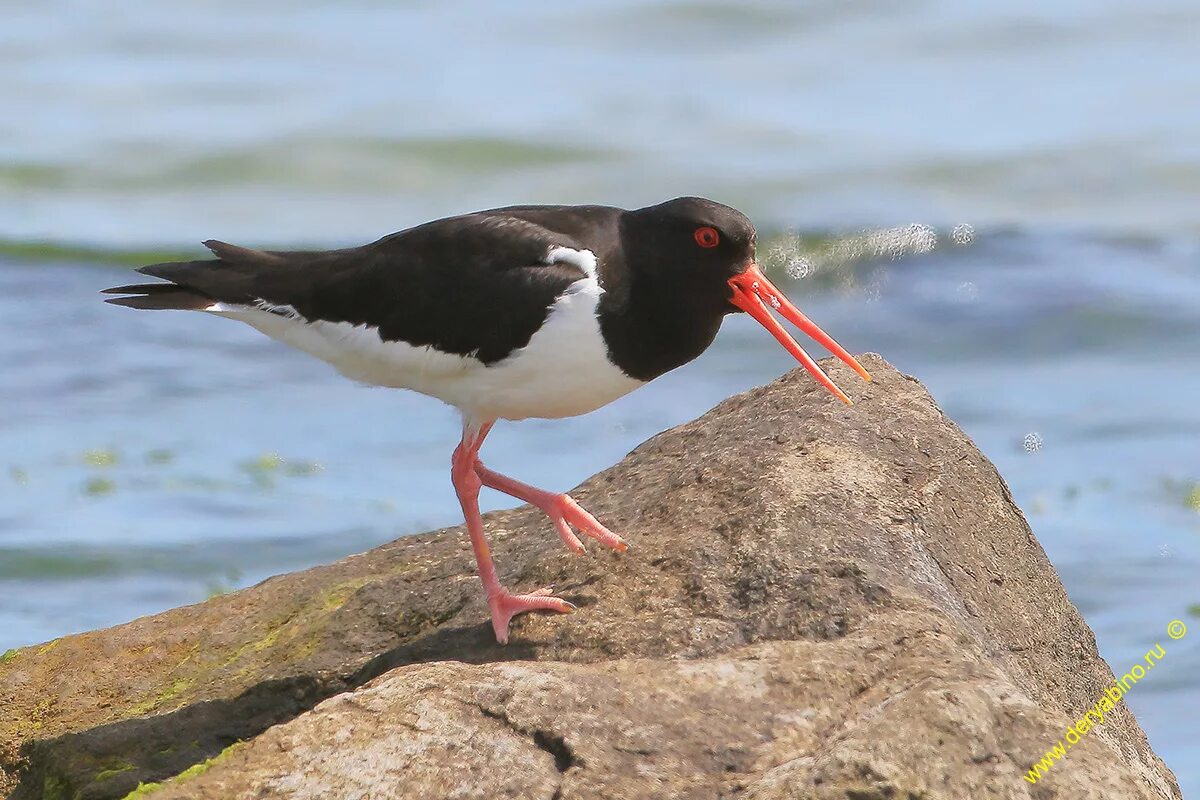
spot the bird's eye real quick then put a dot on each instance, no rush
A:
(706, 236)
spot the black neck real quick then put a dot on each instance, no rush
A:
(652, 320)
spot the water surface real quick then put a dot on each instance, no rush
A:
(149, 460)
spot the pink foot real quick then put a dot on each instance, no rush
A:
(563, 511)
(505, 606)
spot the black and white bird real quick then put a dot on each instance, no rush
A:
(525, 311)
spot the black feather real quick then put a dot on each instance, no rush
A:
(176, 300)
(142, 288)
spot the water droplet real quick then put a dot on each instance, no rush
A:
(905, 240)
(878, 280)
(1033, 442)
(789, 253)
(963, 234)
(800, 267)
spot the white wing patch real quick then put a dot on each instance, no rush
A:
(584, 259)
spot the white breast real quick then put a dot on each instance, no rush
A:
(562, 372)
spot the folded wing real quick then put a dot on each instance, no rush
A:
(478, 285)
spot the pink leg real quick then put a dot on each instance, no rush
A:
(503, 604)
(560, 508)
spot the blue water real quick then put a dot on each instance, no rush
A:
(149, 460)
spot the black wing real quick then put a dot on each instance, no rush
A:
(473, 285)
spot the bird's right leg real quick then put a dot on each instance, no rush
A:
(503, 604)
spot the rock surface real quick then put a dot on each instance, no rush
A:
(819, 602)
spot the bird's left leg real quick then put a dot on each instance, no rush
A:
(560, 508)
(503, 604)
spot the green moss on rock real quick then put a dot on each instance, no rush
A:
(48, 646)
(195, 770)
(143, 790)
(53, 788)
(172, 691)
(113, 771)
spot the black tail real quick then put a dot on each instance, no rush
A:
(158, 296)
(192, 283)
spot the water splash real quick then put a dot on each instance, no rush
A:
(876, 284)
(804, 257)
(791, 254)
(801, 268)
(899, 242)
(1033, 442)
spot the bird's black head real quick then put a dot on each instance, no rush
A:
(693, 259)
(696, 245)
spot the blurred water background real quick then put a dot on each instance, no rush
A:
(150, 460)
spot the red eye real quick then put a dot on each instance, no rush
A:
(706, 236)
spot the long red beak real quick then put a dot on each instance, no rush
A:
(752, 293)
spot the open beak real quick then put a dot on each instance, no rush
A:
(752, 293)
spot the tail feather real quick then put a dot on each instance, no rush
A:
(142, 288)
(195, 284)
(181, 299)
(173, 295)
(238, 275)
(236, 254)
(159, 296)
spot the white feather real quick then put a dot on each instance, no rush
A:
(562, 372)
(584, 259)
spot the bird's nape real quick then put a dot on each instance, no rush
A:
(752, 293)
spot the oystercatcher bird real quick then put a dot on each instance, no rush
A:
(525, 311)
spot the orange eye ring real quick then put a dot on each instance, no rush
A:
(706, 236)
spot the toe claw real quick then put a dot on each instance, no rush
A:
(506, 606)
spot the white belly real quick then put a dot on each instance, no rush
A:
(562, 372)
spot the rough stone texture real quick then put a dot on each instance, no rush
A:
(820, 602)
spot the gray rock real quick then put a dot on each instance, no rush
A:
(819, 602)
